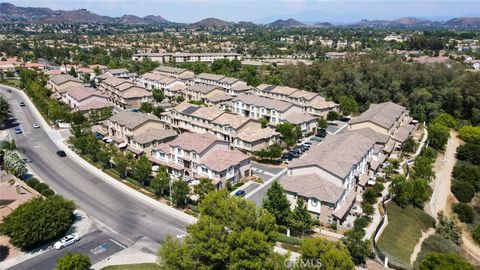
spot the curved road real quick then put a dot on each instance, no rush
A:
(122, 212)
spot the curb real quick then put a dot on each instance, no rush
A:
(52, 134)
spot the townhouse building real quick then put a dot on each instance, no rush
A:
(179, 57)
(257, 107)
(218, 80)
(137, 132)
(202, 155)
(58, 83)
(326, 178)
(200, 92)
(386, 118)
(125, 94)
(158, 81)
(179, 73)
(312, 103)
(121, 73)
(241, 132)
(84, 99)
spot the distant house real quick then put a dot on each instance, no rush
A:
(195, 155)
(121, 73)
(199, 92)
(218, 80)
(179, 73)
(179, 57)
(158, 81)
(58, 83)
(125, 94)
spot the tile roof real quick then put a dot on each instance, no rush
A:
(201, 88)
(346, 205)
(80, 93)
(339, 153)
(61, 79)
(229, 80)
(253, 132)
(383, 114)
(94, 105)
(259, 101)
(132, 120)
(231, 119)
(154, 134)
(312, 186)
(297, 118)
(118, 71)
(136, 92)
(283, 90)
(197, 142)
(209, 76)
(208, 113)
(220, 160)
(219, 98)
(168, 69)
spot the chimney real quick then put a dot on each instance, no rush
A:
(17, 188)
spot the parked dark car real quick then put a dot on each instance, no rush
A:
(61, 153)
(18, 130)
(22, 104)
(240, 193)
(322, 133)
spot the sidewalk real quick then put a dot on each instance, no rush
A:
(57, 138)
(80, 226)
(143, 251)
(370, 229)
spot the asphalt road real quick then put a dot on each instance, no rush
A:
(129, 217)
(97, 244)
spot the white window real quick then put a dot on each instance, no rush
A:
(204, 170)
(314, 202)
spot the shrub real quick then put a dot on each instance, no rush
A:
(429, 152)
(467, 172)
(32, 182)
(449, 227)
(464, 212)
(360, 223)
(469, 152)
(463, 191)
(439, 244)
(445, 119)
(470, 134)
(41, 186)
(378, 188)
(47, 192)
(441, 261)
(367, 209)
(438, 136)
(476, 233)
(370, 196)
(38, 221)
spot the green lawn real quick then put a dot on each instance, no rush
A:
(405, 226)
(142, 266)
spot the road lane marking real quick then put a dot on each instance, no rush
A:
(117, 243)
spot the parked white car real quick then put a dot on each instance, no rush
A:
(66, 241)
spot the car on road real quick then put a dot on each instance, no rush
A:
(36, 126)
(66, 241)
(61, 153)
(18, 130)
(22, 104)
(322, 133)
(9, 91)
(316, 139)
(240, 193)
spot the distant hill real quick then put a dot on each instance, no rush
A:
(286, 23)
(463, 22)
(402, 22)
(323, 24)
(211, 22)
(12, 14)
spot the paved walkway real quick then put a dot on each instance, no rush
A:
(143, 251)
(377, 217)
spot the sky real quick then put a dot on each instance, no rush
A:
(265, 11)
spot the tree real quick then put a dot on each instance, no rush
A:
(300, 220)
(146, 107)
(121, 164)
(476, 234)
(161, 182)
(142, 169)
(158, 95)
(14, 164)
(348, 105)
(470, 134)
(72, 72)
(438, 136)
(277, 204)
(445, 119)
(4, 110)
(469, 152)
(180, 192)
(322, 123)
(203, 188)
(423, 168)
(318, 252)
(444, 261)
(464, 212)
(359, 249)
(449, 228)
(333, 116)
(409, 145)
(463, 191)
(157, 111)
(274, 151)
(38, 221)
(73, 261)
(290, 133)
(231, 233)
(263, 122)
